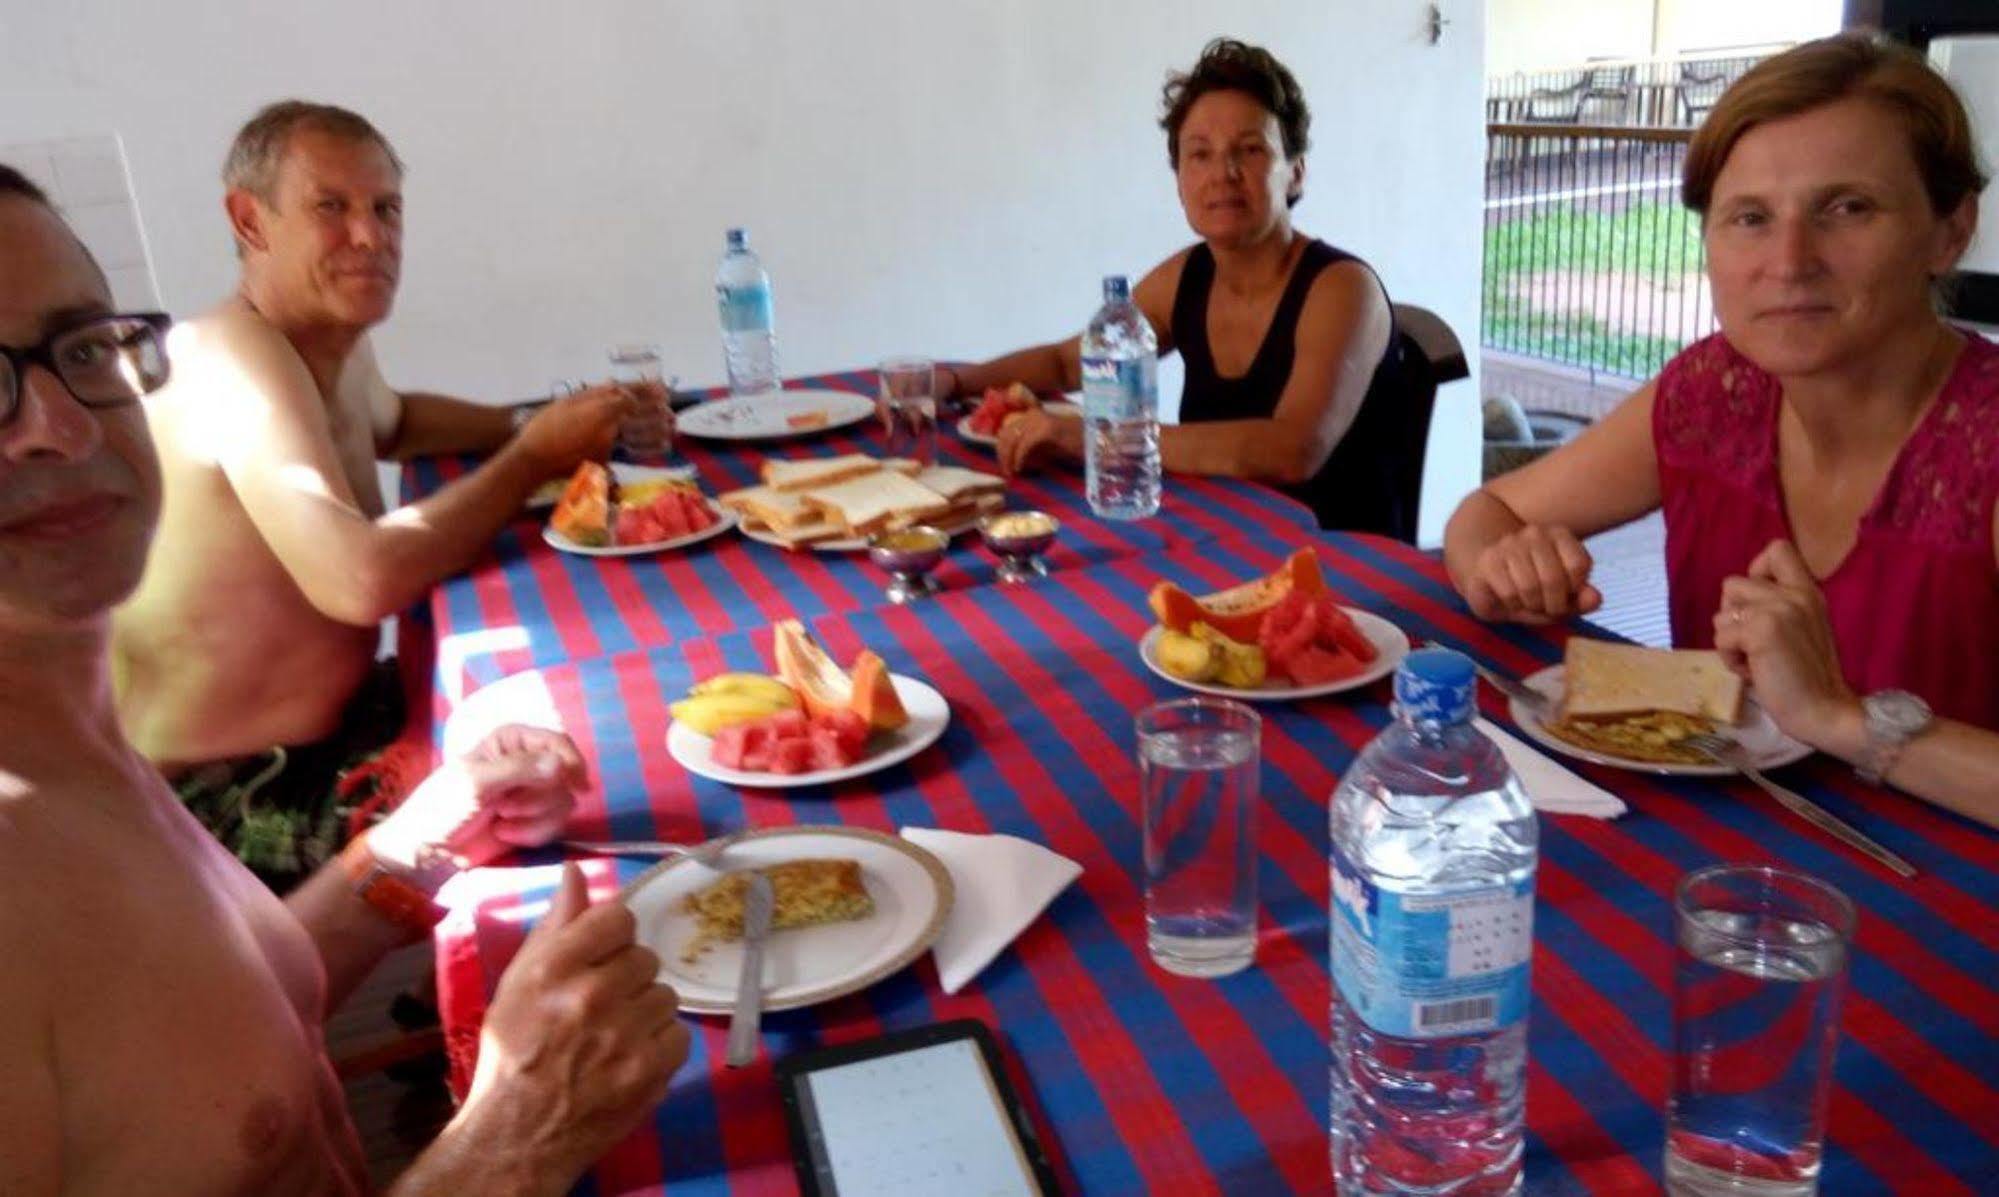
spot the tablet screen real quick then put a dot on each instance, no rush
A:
(915, 1123)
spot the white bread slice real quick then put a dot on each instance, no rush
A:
(779, 510)
(958, 484)
(871, 502)
(908, 467)
(1604, 681)
(807, 473)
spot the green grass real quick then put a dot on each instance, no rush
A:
(1654, 240)
(1658, 240)
(1578, 340)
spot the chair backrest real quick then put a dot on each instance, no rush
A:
(1433, 356)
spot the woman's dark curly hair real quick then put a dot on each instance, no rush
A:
(1230, 65)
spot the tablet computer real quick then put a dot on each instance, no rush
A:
(915, 1113)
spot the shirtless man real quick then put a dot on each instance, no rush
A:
(276, 560)
(160, 1011)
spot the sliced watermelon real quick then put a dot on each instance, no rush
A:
(1289, 628)
(1337, 628)
(1318, 666)
(732, 744)
(849, 729)
(788, 724)
(792, 754)
(826, 750)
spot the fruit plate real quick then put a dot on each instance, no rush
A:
(1389, 643)
(774, 417)
(857, 544)
(725, 520)
(549, 493)
(929, 715)
(1758, 734)
(1062, 408)
(803, 966)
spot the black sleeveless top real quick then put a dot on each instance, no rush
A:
(1364, 485)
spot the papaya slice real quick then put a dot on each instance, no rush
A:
(826, 690)
(583, 514)
(1238, 611)
(875, 699)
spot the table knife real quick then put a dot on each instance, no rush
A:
(757, 902)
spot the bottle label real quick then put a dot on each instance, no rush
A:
(744, 309)
(1431, 966)
(1121, 390)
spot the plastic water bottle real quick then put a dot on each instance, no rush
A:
(1121, 407)
(1433, 852)
(749, 331)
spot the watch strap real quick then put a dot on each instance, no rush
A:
(394, 898)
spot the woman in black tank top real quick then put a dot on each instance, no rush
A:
(1294, 369)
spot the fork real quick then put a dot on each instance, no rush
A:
(1724, 751)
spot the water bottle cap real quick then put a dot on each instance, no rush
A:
(1117, 288)
(738, 238)
(1436, 685)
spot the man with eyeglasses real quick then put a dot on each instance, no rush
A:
(160, 1010)
(245, 664)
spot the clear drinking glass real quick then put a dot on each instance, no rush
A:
(646, 435)
(908, 408)
(1199, 765)
(1759, 966)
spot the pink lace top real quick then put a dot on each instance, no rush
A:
(1915, 604)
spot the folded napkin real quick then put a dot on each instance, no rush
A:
(1552, 787)
(1002, 884)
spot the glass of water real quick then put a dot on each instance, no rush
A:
(908, 407)
(1199, 765)
(1759, 964)
(646, 435)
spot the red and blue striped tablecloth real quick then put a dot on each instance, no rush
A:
(1147, 1083)
(524, 606)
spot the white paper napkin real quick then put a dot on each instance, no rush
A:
(1002, 882)
(1553, 787)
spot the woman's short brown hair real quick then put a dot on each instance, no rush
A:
(1230, 65)
(1847, 66)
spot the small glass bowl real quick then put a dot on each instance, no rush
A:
(1018, 538)
(909, 555)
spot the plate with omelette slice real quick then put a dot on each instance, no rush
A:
(1634, 707)
(852, 906)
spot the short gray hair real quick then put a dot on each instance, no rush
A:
(260, 146)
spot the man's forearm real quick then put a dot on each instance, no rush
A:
(399, 557)
(463, 1160)
(351, 936)
(434, 424)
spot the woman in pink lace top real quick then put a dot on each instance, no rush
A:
(1828, 463)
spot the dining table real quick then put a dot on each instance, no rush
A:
(1137, 1080)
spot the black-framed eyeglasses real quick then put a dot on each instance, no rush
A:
(105, 361)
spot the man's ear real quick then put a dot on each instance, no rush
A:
(246, 218)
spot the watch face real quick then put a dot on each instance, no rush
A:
(1898, 712)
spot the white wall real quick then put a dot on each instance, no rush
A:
(949, 178)
(1533, 35)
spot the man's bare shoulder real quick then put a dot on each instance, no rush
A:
(233, 340)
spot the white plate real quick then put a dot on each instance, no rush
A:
(856, 544)
(725, 520)
(768, 417)
(1390, 647)
(980, 438)
(804, 965)
(1767, 747)
(929, 715)
(549, 493)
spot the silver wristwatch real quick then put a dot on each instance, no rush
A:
(1894, 717)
